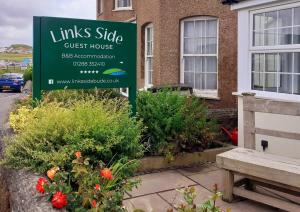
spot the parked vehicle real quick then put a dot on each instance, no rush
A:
(11, 81)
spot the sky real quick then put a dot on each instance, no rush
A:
(16, 16)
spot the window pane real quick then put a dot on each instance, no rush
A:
(189, 79)
(211, 81)
(297, 63)
(211, 64)
(271, 20)
(149, 64)
(150, 77)
(211, 46)
(211, 28)
(189, 63)
(297, 16)
(297, 84)
(189, 44)
(285, 83)
(270, 37)
(189, 29)
(200, 28)
(271, 62)
(271, 82)
(257, 81)
(258, 22)
(200, 45)
(285, 17)
(258, 38)
(285, 36)
(124, 3)
(258, 63)
(297, 35)
(199, 64)
(200, 81)
(149, 48)
(286, 62)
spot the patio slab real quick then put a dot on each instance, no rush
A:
(175, 198)
(162, 181)
(148, 203)
(157, 192)
(198, 169)
(209, 179)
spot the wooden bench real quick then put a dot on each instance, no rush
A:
(259, 168)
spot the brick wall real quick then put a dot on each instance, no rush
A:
(166, 17)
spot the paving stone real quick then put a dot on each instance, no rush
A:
(162, 181)
(198, 169)
(175, 198)
(209, 179)
(149, 203)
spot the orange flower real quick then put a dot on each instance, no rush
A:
(51, 173)
(40, 185)
(78, 154)
(106, 173)
(97, 187)
(94, 203)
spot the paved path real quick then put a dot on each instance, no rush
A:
(6, 101)
(157, 192)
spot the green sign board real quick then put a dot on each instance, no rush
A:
(83, 54)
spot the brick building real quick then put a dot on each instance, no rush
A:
(191, 42)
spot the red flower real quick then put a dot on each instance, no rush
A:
(40, 185)
(78, 154)
(59, 200)
(97, 187)
(94, 203)
(106, 173)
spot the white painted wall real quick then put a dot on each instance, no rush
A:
(279, 146)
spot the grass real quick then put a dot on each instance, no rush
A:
(14, 57)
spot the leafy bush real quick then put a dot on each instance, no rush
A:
(28, 74)
(69, 96)
(49, 134)
(174, 122)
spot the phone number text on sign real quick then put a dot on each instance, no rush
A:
(88, 64)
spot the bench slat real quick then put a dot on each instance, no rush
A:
(262, 165)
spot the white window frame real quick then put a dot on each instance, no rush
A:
(122, 8)
(100, 4)
(146, 70)
(201, 93)
(292, 48)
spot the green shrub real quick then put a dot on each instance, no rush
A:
(69, 96)
(49, 134)
(28, 74)
(174, 122)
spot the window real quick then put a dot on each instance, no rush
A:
(199, 54)
(148, 55)
(123, 4)
(275, 50)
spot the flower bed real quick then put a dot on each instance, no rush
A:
(89, 146)
(88, 149)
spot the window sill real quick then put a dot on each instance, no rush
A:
(271, 96)
(207, 95)
(123, 9)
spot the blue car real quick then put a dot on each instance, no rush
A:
(11, 81)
